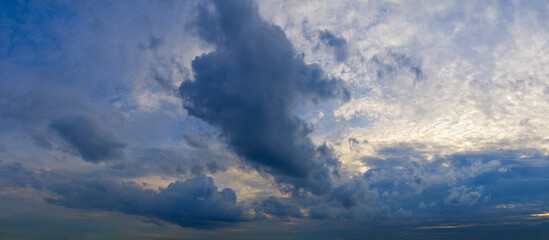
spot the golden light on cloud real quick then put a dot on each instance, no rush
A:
(290, 223)
(444, 227)
(545, 214)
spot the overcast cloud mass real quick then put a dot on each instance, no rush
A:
(274, 119)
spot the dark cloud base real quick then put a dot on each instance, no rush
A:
(91, 142)
(474, 188)
(249, 87)
(195, 202)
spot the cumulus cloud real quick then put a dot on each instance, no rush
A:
(92, 143)
(404, 181)
(195, 202)
(355, 192)
(447, 119)
(249, 88)
(463, 196)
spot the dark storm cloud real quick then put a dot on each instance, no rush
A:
(195, 202)
(249, 87)
(93, 143)
(339, 45)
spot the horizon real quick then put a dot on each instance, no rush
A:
(274, 119)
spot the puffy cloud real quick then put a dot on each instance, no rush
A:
(463, 196)
(354, 192)
(404, 180)
(444, 102)
(195, 202)
(249, 88)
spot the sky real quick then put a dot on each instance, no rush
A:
(274, 119)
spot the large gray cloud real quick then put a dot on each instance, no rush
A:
(195, 202)
(249, 88)
(93, 143)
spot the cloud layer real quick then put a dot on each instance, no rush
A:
(323, 117)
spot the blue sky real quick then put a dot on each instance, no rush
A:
(274, 119)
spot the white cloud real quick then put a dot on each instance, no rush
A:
(463, 196)
(483, 68)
